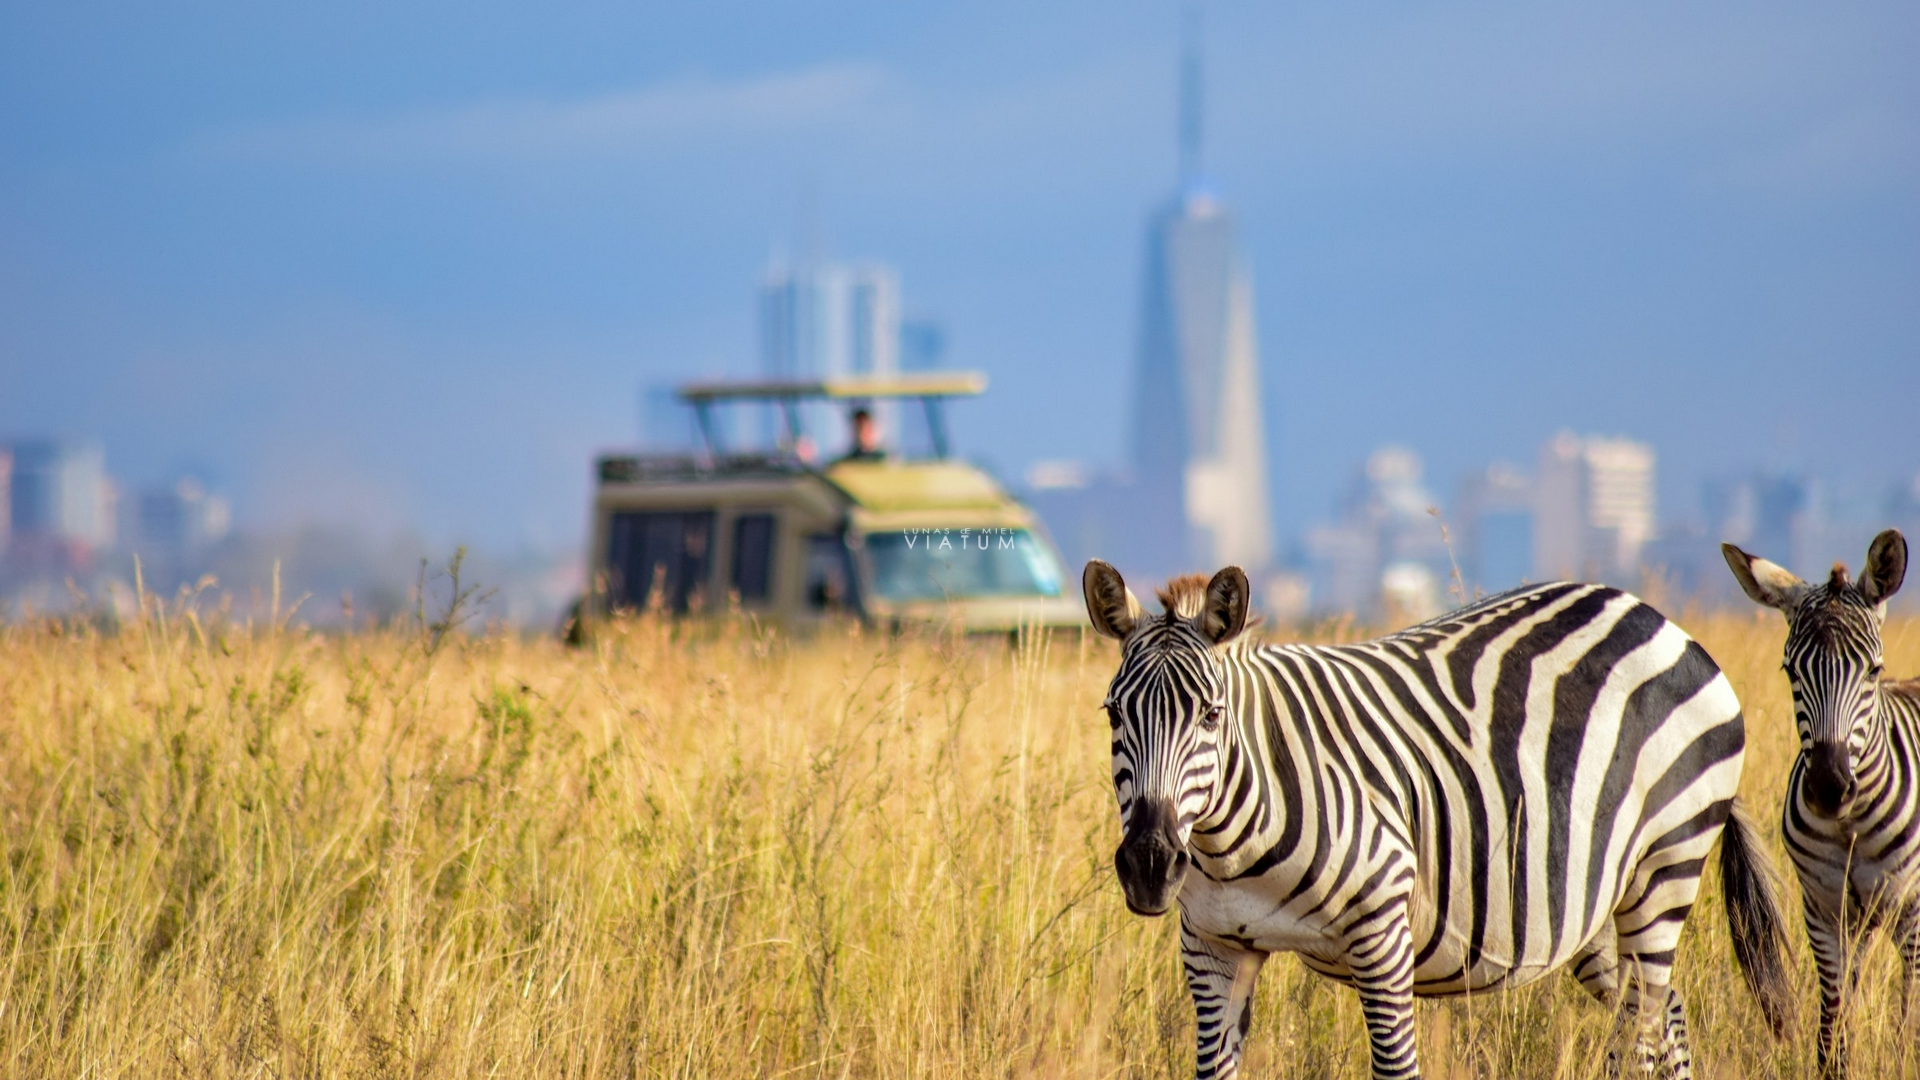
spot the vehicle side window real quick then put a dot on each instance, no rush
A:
(753, 556)
(667, 551)
(830, 584)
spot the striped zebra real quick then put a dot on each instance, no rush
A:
(1852, 815)
(1532, 782)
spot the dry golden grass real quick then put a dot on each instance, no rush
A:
(682, 851)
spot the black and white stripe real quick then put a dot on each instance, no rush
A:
(1852, 814)
(1532, 782)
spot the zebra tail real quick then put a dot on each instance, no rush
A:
(1753, 918)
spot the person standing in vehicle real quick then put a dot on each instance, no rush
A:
(866, 438)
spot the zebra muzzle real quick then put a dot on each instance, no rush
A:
(1151, 864)
(1829, 777)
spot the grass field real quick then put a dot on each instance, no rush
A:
(268, 852)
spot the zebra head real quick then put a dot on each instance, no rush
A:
(1168, 707)
(1833, 658)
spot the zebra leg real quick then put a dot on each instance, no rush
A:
(1380, 956)
(1660, 1042)
(1647, 923)
(1221, 977)
(1833, 958)
(1597, 967)
(1676, 1052)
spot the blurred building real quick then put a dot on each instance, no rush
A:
(1686, 560)
(923, 347)
(1777, 516)
(831, 320)
(1385, 557)
(825, 319)
(1593, 509)
(1494, 516)
(1085, 512)
(177, 521)
(1794, 519)
(1343, 568)
(1199, 454)
(1287, 596)
(60, 504)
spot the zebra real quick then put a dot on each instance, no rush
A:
(1534, 781)
(1852, 813)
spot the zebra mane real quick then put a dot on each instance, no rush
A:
(1903, 688)
(1834, 612)
(1185, 599)
(1184, 596)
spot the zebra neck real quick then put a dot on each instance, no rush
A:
(1896, 714)
(1891, 744)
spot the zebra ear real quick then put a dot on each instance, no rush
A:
(1886, 567)
(1767, 583)
(1226, 612)
(1110, 604)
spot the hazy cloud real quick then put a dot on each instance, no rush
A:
(637, 122)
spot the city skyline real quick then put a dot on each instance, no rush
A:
(1195, 489)
(419, 303)
(1391, 547)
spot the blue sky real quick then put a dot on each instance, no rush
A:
(408, 268)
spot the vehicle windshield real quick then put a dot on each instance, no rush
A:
(929, 564)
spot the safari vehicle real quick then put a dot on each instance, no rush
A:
(889, 541)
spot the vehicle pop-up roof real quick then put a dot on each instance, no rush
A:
(932, 388)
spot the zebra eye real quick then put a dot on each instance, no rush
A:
(1211, 718)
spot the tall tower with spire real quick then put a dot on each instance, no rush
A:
(1199, 453)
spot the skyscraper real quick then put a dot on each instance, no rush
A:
(1199, 450)
(177, 520)
(1778, 515)
(1494, 516)
(826, 320)
(829, 319)
(1593, 509)
(1384, 557)
(60, 501)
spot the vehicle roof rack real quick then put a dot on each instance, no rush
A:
(917, 385)
(930, 387)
